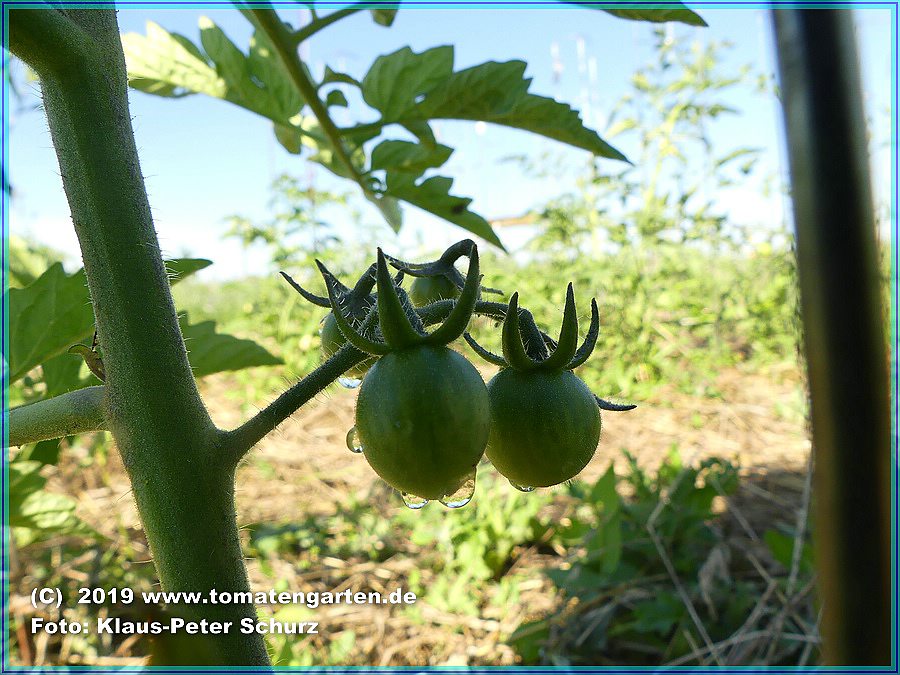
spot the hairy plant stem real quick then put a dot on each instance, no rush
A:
(73, 413)
(168, 443)
(238, 442)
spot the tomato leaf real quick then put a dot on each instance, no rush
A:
(498, 93)
(433, 195)
(54, 312)
(37, 512)
(45, 318)
(670, 11)
(410, 157)
(210, 352)
(395, 80)
(384, 16)
(168, 64)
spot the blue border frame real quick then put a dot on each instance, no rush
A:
(894, 5)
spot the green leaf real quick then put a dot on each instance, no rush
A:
(333, 76)
(395, 80)
(384, 17)
(336, 97)
(410, 157)
(498, 93)
(266, 66)
(179, 269)
(390, 209)
(46, 317)
(210, 352)
(31, 508)
(433, 195)
(63, 373)
(45, 452)
(168, 64)
(670, 11)
(54, 312)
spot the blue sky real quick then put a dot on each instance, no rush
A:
(205, 159)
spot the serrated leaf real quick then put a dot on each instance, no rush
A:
(433, 195)
(168, 64)
(210, 352)
(54, 312)
(395, 80)
(410, 157)
(384, 17)
(498, 93)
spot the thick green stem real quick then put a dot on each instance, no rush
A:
(73, 413)
(168, 443)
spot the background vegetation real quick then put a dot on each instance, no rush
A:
(670, 549)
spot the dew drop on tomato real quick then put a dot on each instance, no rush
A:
(462, 495)
(349, 382)
(412, 501)
(353, 441)
(522, 488)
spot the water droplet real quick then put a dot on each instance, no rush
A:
(462, 495)
(522, 488)
(349, 382)
(353, 441)
(412, 501)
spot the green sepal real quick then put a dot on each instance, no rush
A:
(395, 326)
(590, 340)
(458, 320)
(488, 356)
(613, 407)
(568, 336)
(353, 337)
(317, 300)
(513, 349)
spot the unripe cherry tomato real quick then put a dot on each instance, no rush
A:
(545, 426)
(425, 290)
(423, 419)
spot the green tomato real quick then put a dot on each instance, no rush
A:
(423, 419)
(333, 339)
(425, 290)
(545, 426)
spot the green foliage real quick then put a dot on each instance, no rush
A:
(35, 514)
(407, 89)
(478, 545)
(53, 313)
(653, 573)
(299, 230)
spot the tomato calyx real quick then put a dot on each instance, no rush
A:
(527, 349)
(442, 270)
(398, 323)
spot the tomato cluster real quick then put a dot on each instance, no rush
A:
(424, 416)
